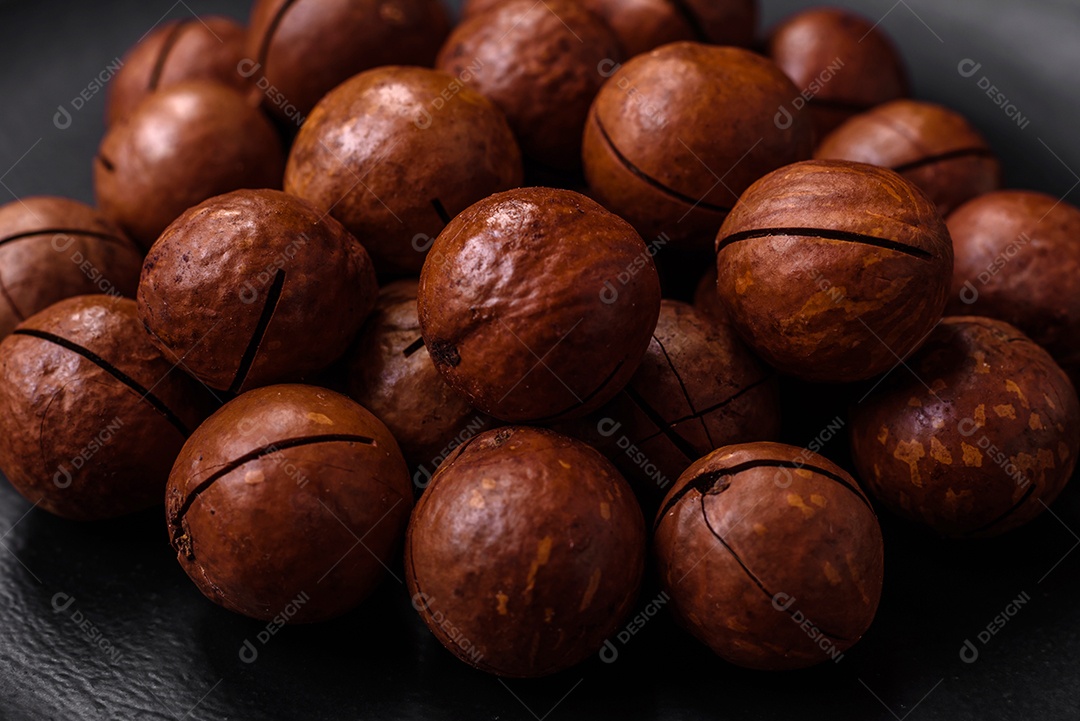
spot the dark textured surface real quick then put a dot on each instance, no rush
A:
(175, 652)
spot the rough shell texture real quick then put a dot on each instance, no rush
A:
(698, 388)
(707, 298)
(833, 270)
(984, 446)
(305, 48)
(542, 63)
(844, 62)
(416, 160)
(180, 146)
(676, 135)
(930, 145)
(269, 498)
(1017, 259)
(55, 248)
(91, 414)
(772, 555)
(391, 374)
(255, 287)
(525, 553)
(204, 48)
(538, 304)
(641, 25)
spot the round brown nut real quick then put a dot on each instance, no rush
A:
(55, 248)
(530, 547)
(772, 556)
(391, 374)
(538, 305)
(642, 25)
(841, 60)
(198, 48)
(978, 439)
(1017, 259)
(255, 287)
(91, 415)
(542, 63)
(270, 497)
(707, 298)
(675, 136)
(698, 388)
(180, 146)
(930, 145)
(299, 50)
(833, 271)
(395, 179)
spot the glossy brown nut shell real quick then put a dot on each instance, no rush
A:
(832, 270)
(54, 248)
(542, 63)
(255, 287)
(842, 63)
(392, 375)
(91, 414)
(180, 146)
(698, 388)
(930, 145)
(1018, 260)
(771, 554)
(415, 160)
(289, 497)
(984, 446)
(525, 553)
(537, 304)
(301, 49)
(642, 25)
(675, 136)
(198, 48)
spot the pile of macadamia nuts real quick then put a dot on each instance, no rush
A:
(514, 301)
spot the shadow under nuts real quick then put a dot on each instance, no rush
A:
(525, 553)
(537, 304)
(232, 288)
(978, 438)
(772, 556)
(833, 271)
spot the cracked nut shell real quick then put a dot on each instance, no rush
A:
(1017, 259)
(930, 145)
(832, 270)
(392, 375)
(542, 64)
(269, 499)
(91, 414)
(255, 287)
(180, 146)
(841, 60)
(697, 389)
(525, 553)
(302, 49)
(986, 447)
(421, 163)
(54, 248)
(670, 125)
(538, 305)
(772, 556)
(199, 48)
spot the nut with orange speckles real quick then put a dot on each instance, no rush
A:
(525, 553)
(930, 145)
(772, 556)
(833, 270)
(269, 498)
(542, 63)
(538, 305)
(675, 136)
(977, 439)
